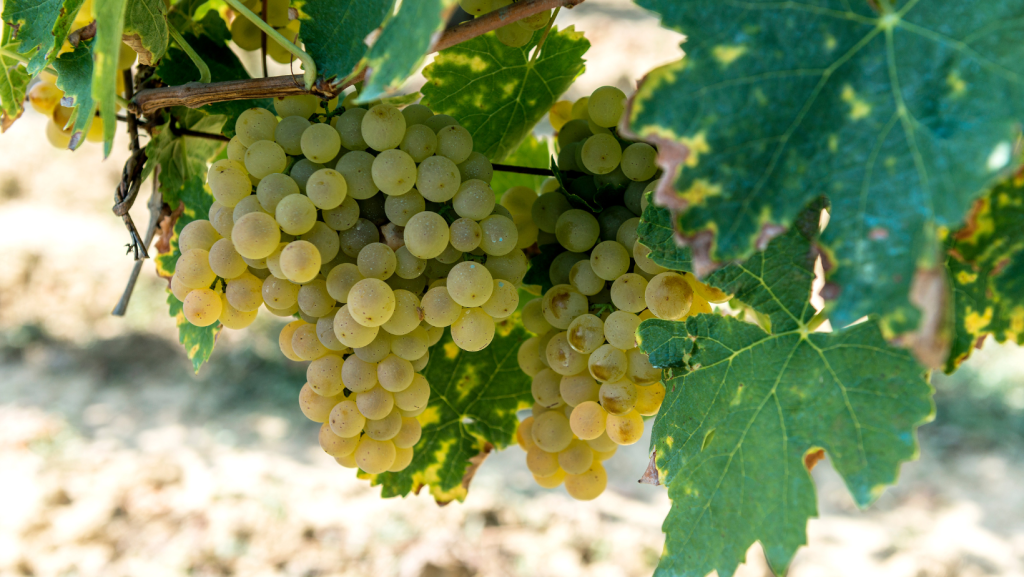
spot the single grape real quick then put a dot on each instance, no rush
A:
(298, 105)
(351, 333)
(586, 333)
(574, 131)
(362, 233)
(334, 445)
(449, 256)
(236, 150)
(668, 296)
(407, 315)
(359, 375)
(649, 399)
(197, 234)
(403, 458)
(371, 302)
(577, 458)
(625, 429)
(306, 344)
(474, 200)
(419, 142)
(562, 358)
(416, 114)
(45, 97)
(528, 356)
(344, 216)
(551, 432)
(415, 397)
(439, 121)
(326, 188)
(395, 374)
(536, 21)
(384, 429)
(345, 420)
(551, 481)
(324, 375)
(399, 209)
(476, 167)
(245, 293)
(541, 462)
(499, 235)
(394, 172)
(225, 261)
(606, 105)
(426, 235)
(408, 266)
(376, 260)
(475, 7)
(562, 266)
(375, 457)
(324, 239)
(301, 171)
(273, 188)
(620, 329)
(314, 300)
(583, 279)
(628, 293)
(248, 204)
(639, 161)
(533, 318)
(514, 35)
(545, 389)
(349, 127)
(325, 332)
(609, 260)
(465, 234)
(473, 330)
(265, 157)
(376, 351)
(288, 134)
(588, 420)
(438, 179)
(546, 210)
(601, 153)
(455, 143)
(296, 214)
(561, 304)
(202, 307)
(577, 230)
(341, 279)
(511, 267)
(383, 127)
(439, 308)
(315, 407)
(589, 485)
(409, 434)
(255, 123)
(470, 284)
(229, 182)
(193, 269)
(357, 168)
(640, 370)
(504, 300)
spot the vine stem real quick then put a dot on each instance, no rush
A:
(204, 70)
(308, 66)
(194, 96)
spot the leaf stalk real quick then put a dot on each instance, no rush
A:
(204, 70)
(308, 66)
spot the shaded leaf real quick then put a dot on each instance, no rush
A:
(333, 32)
(106, 47)
(145, 19)
(42, 27)
(656, 233)
(74, 77)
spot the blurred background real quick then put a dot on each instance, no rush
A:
(116, 461)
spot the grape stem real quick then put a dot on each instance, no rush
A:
(152, 99)
(308, 66)
(522, 169)
(544, 36)
(204, 70)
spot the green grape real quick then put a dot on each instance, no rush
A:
(474, 200)
(320, 143)
(315, 407)
(225, 261)
(545, 389)
(248, 204)
(357, 168)
(606, 105)
(344, 216)
(426, 235)
(289, 134)
(620, 329)
(384, 429)
(465, 234)
(273, 188)
(583, 279)
(345, 420)
(419, 142)
(511, 267)
(341, 279)
(589, 485)
(245, 34)
(326, 188)
(641, 254)
(609, 260)
(409, 434)
(504, 300)
(439, 121)
(561, 304)
(324, 375)
(362, 233)
(285, 312)
(371, 302)
(314, 300)
(351, 333)
(416, 114)
(265, 157)
(649, 399)
(376, 351)
(533, 318)
(306, 344)
(255, 124)
(627, 233)
(567, 158)
(668, 296)
(376, 260)
(334, 445)
(577, 458)
(607, 364)
(359, 375)
(300, 261)
(611, 220)
(476, 167)
(372, 209)
(439, 308)
(349, 126)
(277, 13)
(438, 179)
(551, 432)
(245, 292)
(579, 388)
(546, 210)
(470, 284)
(450, 255)
(640, 370)
(473, 330)
(394, 172)
(585, 334)
(536, 21)
(325, 332)
(277, 51)
(256, 235)
(408, 266)
(625, 429)
(236, 150)
(197, 234)
(529, 357)
(580, 109)
(421, 363)
(301, 171)
(562, 358)
(229, 182)
(407, 315)
(324, 239)
(383, 127)
(528, 234)
(499, 235)
(279, 293)
(455, 143)
(574, 131)
(601, 153)
(634, 194)
(475, 7)
(514, 35)
(577, 230)
(399, 209)
(411, 345)
(639, 161)
(299, 105)
(395, 374)
(202, 307)
(519, 201)
(562, 266)
(295, 213)
(375, 457)
(628, 293)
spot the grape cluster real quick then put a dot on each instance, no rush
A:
(591, 385)
(377, 255)
(517, 34)
(248, 37)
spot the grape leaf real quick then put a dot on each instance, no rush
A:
(106, 47)
(733, 432)
(986, 271)
(42, 28)
(666, 343)
(473, 402)
(402, 46)
(333, 32)
(901, 117)
(531, 152)
(145, 19)
(182, 158)
(497, 92)
(657, 234)
(74, 77)
(198, 341)
(13, 85)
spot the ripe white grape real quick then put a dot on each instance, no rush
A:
(620, 329)
(279, 293)
(416, 114)
(545, 389)
(473, 330)
(528, 356)
(583, 279)
(541, 462)
(265, 157)
(273, 188)
(618, 397)
(384, 429)
(320, 143)
(395, 374)
(439, 121)
(499, 235)
(300, 261)
(643, 261)
(301, 171)
(334, 445)
(546, 210)
(245, 293)
(375, 403)
(285, 339)
(476, 167)
(326, 188)
(371, 302)
(514, 35)
(351, 333)
(601, 153)
(289, 134)
(399, 209)
(229, 182)
(197, 234)
(640, 370)
(315, 407)
(295, 214)
(562, 358)
(524, 435)
(470, 284)
(476, 7)
(362, 233)
(588, 420)
(455, 143)
(179, 290)
(345, 420)
(474, 200)
(415, 397)
(628, 293)
(193, 269)
(578, 388)
(357, 168)
(577, 458)
(375, 457)
(376, 350)
(606, 105)
(222, 219)
(586, 333)
(359, 376)
(349, 127)
(439, 308)
(577, 230)
(248, 204)
(589, 485)
(639, 161)
(313, 299)
(301, 105)
(394, 172)
(407, 315)
(449, 256)
(408, 266)
(343, 216)
(519, 201)
(426, 235)
(383, 127)
(376, 260)
(609, 260)
(533, 318)
(551, 432)
(438, 179)
(465, 234)
(511, 267)
(341, 279)
(324, 375)
(419, 142)
(325, 332)
(409, 434)
(504, 300)
(255, 124)
(562, 304)
(324, 239)
(625, 429)
(669, 296)
(306, 345)
(608, 363)
(403, 458)
(649, 399)
(202, 307)
(537, 21)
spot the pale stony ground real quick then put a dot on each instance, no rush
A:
(116, 461)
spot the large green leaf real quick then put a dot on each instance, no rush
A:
(106, 48)
(901, 117)
(473, 402)
(145, 19)
(74, 77)
(13, 85)
(182, 158)
(733, 432)
(657, 234)
(43, 25)
(497, 92)
(986, 271)
(333, 32)
(532, 152)
(402, 46)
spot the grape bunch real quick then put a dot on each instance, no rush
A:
(591, 385)
(517, 34)
(376, 227)
(248, 37)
